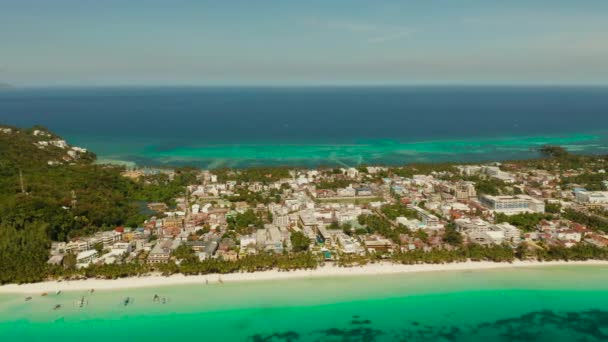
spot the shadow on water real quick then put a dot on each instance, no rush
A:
(542, 325)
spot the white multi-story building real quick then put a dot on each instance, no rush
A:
(86, 257)
(510, 232)
(429, 220)
(513, 204)
(592, 197)
(495, 172)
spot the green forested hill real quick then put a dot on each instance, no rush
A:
(46, 194)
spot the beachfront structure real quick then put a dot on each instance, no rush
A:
(513, 204)
(481, 238)
(482, 232)
(161, 253)
(378, 244)
(348, 244)
(86, 257)
(510, 232)
(248, 244)
(105, 238)
(270, 239)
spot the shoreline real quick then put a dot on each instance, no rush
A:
(151, 281)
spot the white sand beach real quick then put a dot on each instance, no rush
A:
(325, 271)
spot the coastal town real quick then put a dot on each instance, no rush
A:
(75, 218)
(346, 215)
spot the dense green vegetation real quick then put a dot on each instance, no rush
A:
(553, 151)
(591, 181)
(41, 202)
(380, 225)
(162, 188)
(299, 242)
(452, 236)
(592, 221)
(255, 197)
(246, 222)
(487, 185)
(559, 159)
(553, 208)
(526, 221)
(392, 211)
(497, 253)
(23, 253)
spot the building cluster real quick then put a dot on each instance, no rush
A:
(230, 219)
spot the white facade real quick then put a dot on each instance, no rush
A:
(592, 197)
(513, 204)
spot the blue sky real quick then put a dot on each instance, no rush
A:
(223, 42)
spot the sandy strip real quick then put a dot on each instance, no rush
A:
(326, 271)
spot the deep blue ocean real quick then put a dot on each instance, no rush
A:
(244, 126)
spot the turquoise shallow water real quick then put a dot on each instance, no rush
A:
(541, 304)
(385, 152)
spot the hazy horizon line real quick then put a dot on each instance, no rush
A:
(9, 86)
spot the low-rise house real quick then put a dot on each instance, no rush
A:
(347, 192)
(248, 244)
(197, 246)
(161, 253)
(569, 235)
(227, 255)
(364, 191)
(378, 244)
(122, 248)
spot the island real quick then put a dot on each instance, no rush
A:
(65, 217)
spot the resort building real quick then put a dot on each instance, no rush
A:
(592, 197)
(513, 204)
(428, 220)
(86, 257)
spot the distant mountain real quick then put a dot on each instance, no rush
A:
(5, 86)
